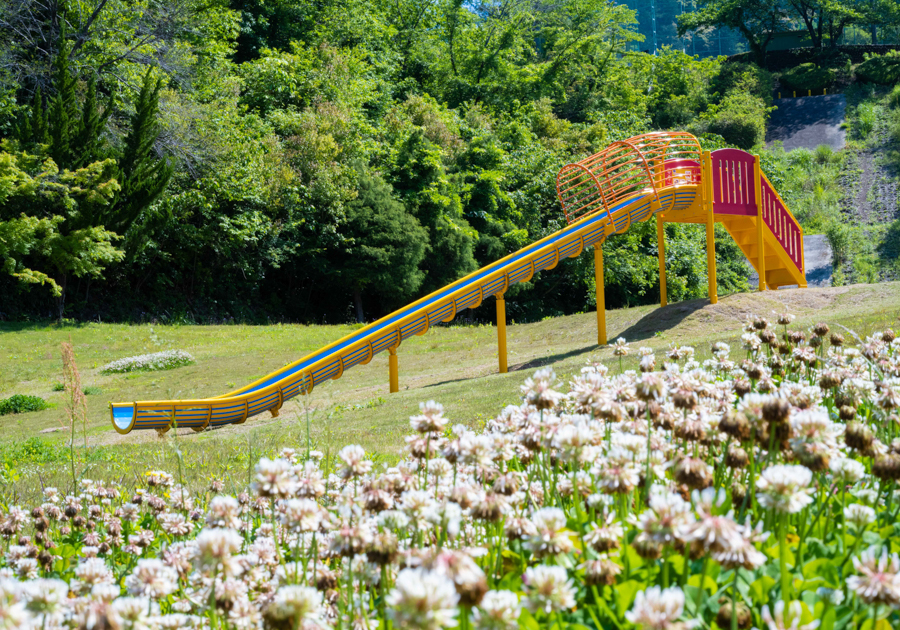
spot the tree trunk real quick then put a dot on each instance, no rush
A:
(357, 300)
(874, 34)
(61, 300)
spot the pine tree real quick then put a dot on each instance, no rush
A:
(143, 175)
(33, 126)
(90, 130)
(63, 109)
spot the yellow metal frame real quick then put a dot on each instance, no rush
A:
(640, 181)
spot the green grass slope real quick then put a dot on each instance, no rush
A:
(455, 365)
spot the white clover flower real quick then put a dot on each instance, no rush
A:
(393, 520)
(878, 581)
(215, 546)
(538, 389)
(223, 511)
(859, 515)
(785, 488)
(131, 612)
(45, 598)
(152, 578)
(299, 604)
(657, 609)
(551, 537)
(301, 515)
(789, 622)
(90, 572)
(355, 462)
(498, 610)
(548, 589)
(165, 360)
(423, 600)
(620, 347)
(274, 478)
(846, 471)
(431, 418)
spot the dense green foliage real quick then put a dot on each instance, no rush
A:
(882, 69)
(330, 161)
(807, 76)
(20, 403)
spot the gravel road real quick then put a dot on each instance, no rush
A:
(808, 122)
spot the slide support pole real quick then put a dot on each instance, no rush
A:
(661, 242)
(601, 295)
(760, 235)
(501, 332)
(394, 370)
(710, 227)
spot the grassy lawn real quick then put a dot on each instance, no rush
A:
(455, 365)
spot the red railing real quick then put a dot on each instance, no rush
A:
(782, 224)
(681, 173)
(734, 189)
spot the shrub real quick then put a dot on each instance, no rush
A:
(824, 154)
(865, 120)
(740, 119)
(92, 390)
(807, 76)
(746, 77)
(22, 404)
(166, 360)
(838, 235)
(883, 69)
(894, 97)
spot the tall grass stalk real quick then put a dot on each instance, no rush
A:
(76, 405)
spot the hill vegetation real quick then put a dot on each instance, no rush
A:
(191, 161)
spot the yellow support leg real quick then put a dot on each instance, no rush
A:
(711, 257)
(601, 295)
(661, 242)
(501, 332)
(760, 235)
(394, 370)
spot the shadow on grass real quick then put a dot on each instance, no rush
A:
(658, 320)
(553, 358)
(661, 319)
(14, 327)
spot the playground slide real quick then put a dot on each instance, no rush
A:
(662, 174)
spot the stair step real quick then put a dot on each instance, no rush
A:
(781, 277)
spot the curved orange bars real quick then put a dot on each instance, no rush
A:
(636, 164)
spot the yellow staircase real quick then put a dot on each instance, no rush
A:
(779, 270)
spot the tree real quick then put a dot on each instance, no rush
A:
(827, 19)
(757, 20)
(383, 249)
(422, 183)
(37, 242)
(142, 172)
(72, 131)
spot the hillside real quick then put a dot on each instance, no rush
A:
(452, 364)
